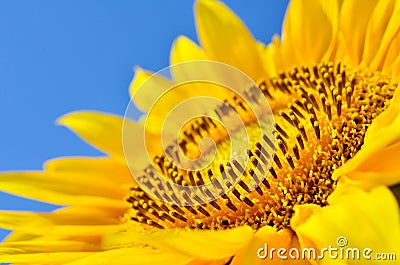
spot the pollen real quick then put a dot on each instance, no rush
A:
(322, 113)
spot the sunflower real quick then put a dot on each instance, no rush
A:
(331, 80)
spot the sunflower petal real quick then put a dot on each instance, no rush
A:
(43, 258)
(383, 26)
(44, 224)
(271, 55)
(226, 39)
(159, 96)
(132, 256)
(46, 245)
(79, 184)
(38, 186)
(215, 245)
(102, 130)
(303, 42)
(184, 49)
(354, 17)
(349, 215)
(103, 168)
(146, 97)
(392, 56)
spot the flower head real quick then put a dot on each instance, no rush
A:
(331, 81)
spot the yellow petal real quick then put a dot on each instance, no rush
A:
(102, 130)
(19, 236)
(46, 245)
(364, 219)
(226, 39)
(393, 55)
(145, 90)
(106, 132)
(184, 49)
(64, 216)
(158, 96)
(79, 184)
(102, 168)
(354, 17)
(43, 224)
(200, 244)
(376, 163)
(309, 31)
(272, 57)
(35, 190)
(394, 70)
(43, 258)
(383, 26)
(132, 256)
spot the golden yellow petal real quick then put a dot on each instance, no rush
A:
(38, 186)
(45, 224)
(309, 31)
(184, 49)
(43, 258)
(392, 56)
(199, 244)
(102, 130)
(46, 245)
(226, 39)
(105, 131)
(102, 168)
(158, 96)
(132, 256)
(78, 184)
(363, 219)
(271, 56)
(208, 262)
(354, 17)
(394, 70)
(156, 86)
(382, 28)
(19, 236)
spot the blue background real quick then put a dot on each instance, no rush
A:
(61, 56)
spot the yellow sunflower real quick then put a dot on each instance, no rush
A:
(331, 80)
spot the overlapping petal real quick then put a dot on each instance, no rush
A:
(102, 130)
(364, 219)
(303, 42)
(215, 245)
(230, 42)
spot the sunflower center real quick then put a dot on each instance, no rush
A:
(322, 114)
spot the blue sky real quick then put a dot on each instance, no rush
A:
(61, 56)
